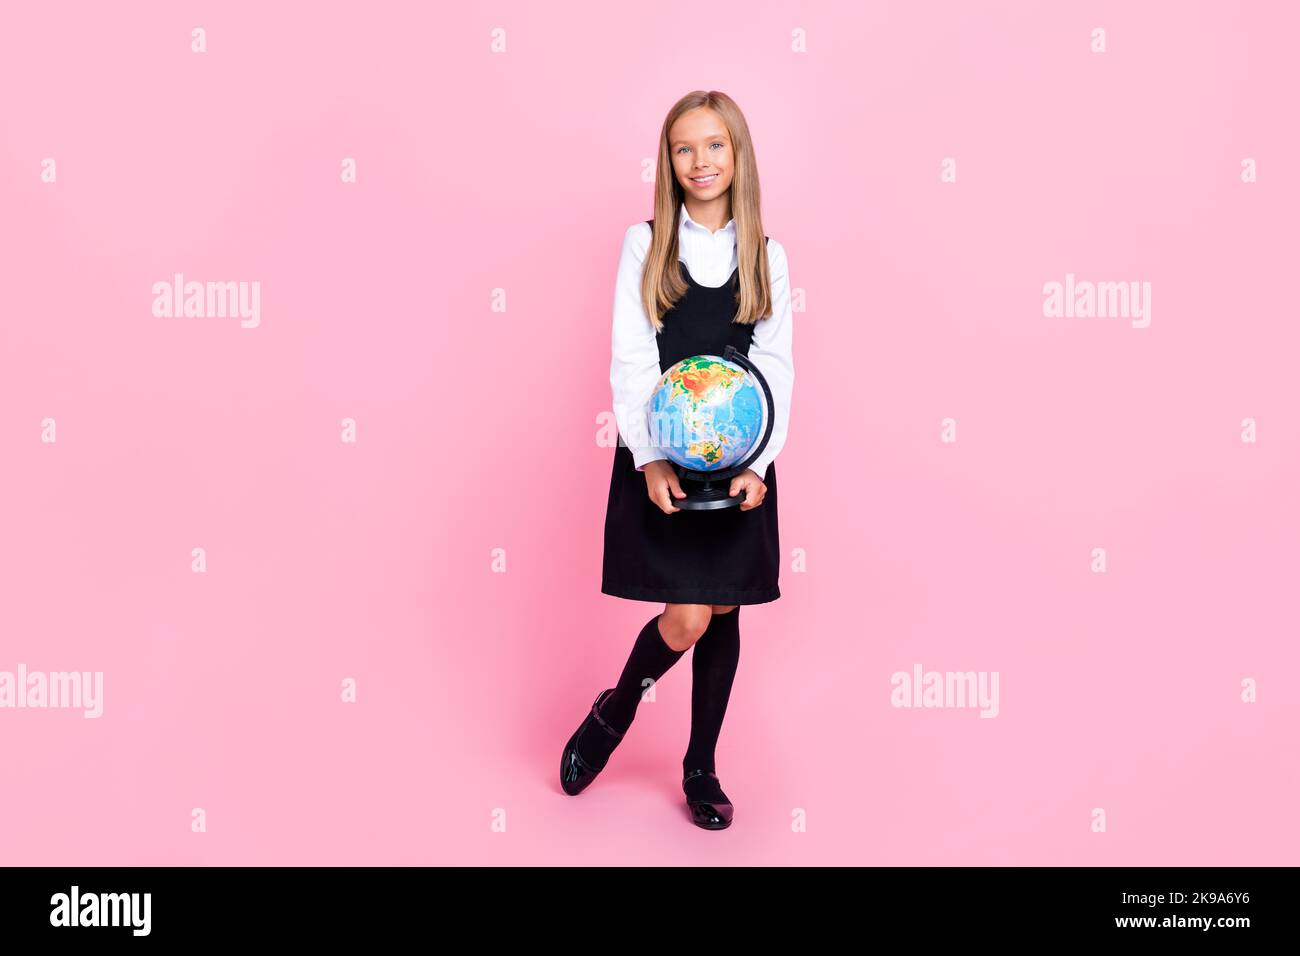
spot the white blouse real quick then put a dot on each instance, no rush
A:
(634, 370)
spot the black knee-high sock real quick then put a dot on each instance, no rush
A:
(650, 658)
(713, 668)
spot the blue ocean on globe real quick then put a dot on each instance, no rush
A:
(706, 413)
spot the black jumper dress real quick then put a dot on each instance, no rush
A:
(724, 556)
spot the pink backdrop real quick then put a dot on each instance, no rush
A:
(486, 178)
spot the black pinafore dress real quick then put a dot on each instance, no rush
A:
(725, 556)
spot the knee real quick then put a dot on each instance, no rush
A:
(685, 624)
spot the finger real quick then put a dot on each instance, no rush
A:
(675, 485)
(663, 501)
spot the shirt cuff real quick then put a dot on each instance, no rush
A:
(643, 456)
(759, 466)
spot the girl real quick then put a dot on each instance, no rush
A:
(697, 277)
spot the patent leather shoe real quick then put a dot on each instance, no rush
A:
(575, 773)
(709, 814)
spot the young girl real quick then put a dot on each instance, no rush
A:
(699, 276)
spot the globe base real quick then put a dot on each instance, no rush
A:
(707, 496)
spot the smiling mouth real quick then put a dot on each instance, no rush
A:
(704, 180)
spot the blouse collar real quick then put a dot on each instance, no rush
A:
(686, 219)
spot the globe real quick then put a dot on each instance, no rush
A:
(706, 413)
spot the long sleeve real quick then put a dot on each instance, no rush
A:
(771, 350)
(634, 364)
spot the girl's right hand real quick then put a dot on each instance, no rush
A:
(661, 484)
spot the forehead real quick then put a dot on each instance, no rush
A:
(697, 125)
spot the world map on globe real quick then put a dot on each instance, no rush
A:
(706, 413)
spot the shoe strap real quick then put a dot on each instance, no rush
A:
(697, 773)
(595, 712)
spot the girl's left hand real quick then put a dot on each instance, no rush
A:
(755, 490)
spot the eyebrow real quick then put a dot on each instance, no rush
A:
(682, 142)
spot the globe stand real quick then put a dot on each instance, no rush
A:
(709, 490)
(705, 495)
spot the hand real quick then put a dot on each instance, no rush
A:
(661, 484)
(755, 490)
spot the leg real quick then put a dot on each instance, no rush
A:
(661, 643)
(684, 624)
(713, 670)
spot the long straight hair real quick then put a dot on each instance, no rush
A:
(662, 286)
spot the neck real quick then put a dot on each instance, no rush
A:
(712, 215)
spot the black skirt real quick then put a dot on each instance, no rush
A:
(724, 556)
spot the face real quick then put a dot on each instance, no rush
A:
(703, 160)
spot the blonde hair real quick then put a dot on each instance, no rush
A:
(661, 286)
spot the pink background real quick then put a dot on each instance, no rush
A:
(477, 430)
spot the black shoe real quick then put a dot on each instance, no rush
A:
(576, 773)
(709, 814)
